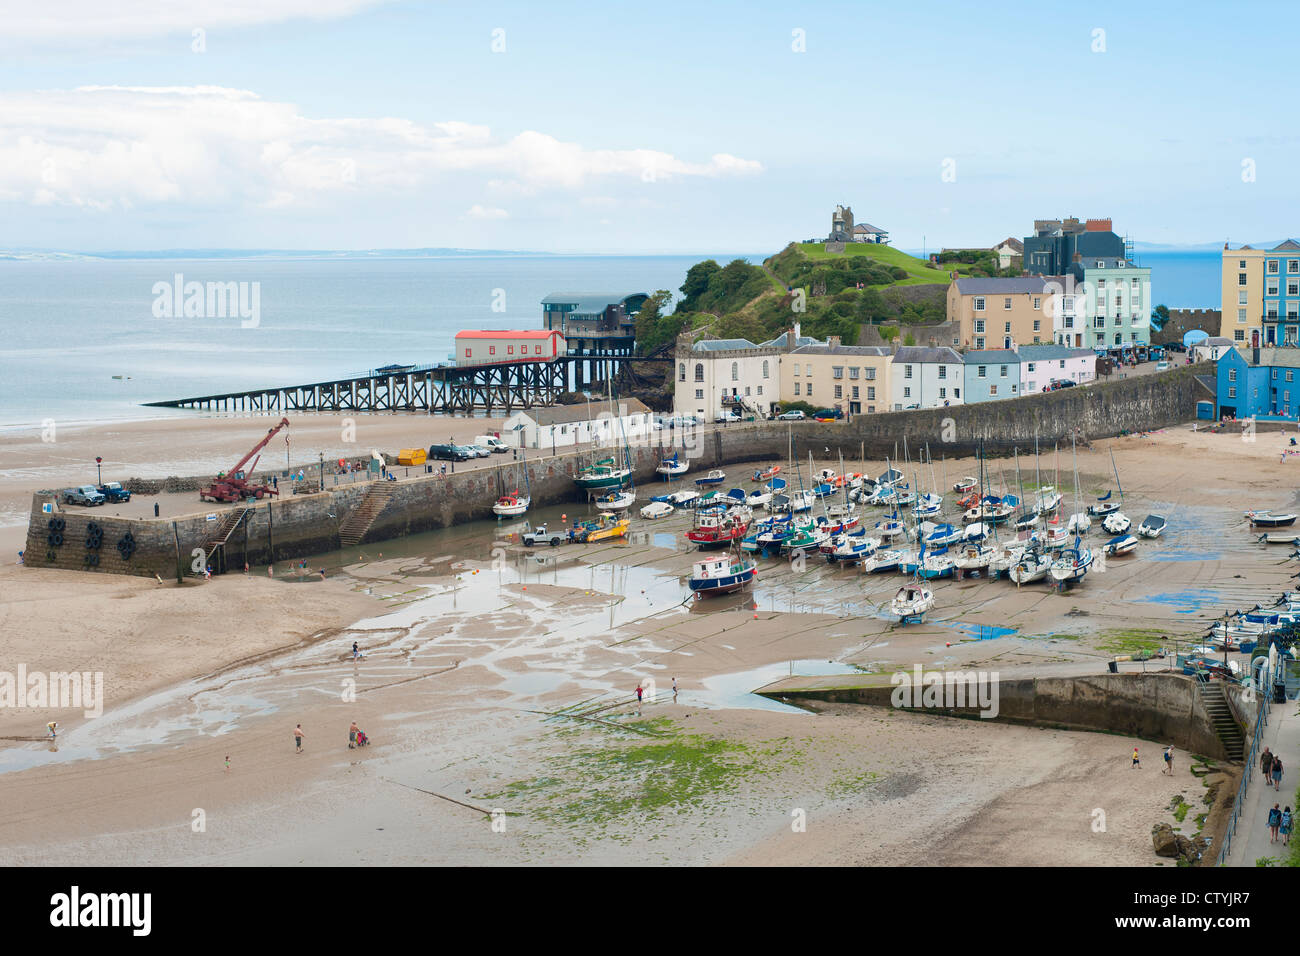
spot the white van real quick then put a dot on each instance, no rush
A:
(492, 443)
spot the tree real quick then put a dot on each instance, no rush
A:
(1159, 316)
(697, 282)
(653, 328)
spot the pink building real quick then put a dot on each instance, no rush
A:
(1041, 364)
(490, 346)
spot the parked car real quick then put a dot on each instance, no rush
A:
(113, 491)
(478, 451)
(85, 495)
(794, 416)
(1162, 365)
(727, 417)
(1058, 383)
(828, 414)
(539, 536)
(448, 453)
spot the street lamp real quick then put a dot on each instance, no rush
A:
(322, 471)
(99, 469)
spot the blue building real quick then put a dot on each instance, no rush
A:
(1282, 294)
(1268, 390)
(991, 374)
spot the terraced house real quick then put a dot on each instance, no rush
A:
(1260, 290)
(990, 375)
(716, 376)
(922, 377)
(1001, 313)
(852, 378)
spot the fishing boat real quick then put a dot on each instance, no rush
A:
(602, 474)
(714, 529)
(766, 473)
(683, 499)
(715, 477)
(1268, 519)
(963, 485)
(1120, 544)
(508, 506)
(881, 560)
(1034, 565)
(852, 548)
(1116, 522)
(656, 509)
(672, 467)
(722, 575)
(1152, 526)
(616, 500)
(606, 526)
(911, 602)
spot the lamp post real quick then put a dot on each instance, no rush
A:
(99, 469)
(322, 470)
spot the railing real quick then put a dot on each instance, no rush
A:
(1261, 721)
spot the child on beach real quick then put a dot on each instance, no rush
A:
(1135, 759)
(1169, 760)
(352, 735)
(53, 728)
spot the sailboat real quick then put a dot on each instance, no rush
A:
(508, 506)
(911, 602)
(1073, 562)
(602, 474)
(672, 467)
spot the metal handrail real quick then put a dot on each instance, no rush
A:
(1261, 721)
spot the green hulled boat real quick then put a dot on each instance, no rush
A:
(603, 474)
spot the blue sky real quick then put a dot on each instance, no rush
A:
(667, 127)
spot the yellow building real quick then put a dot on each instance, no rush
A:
(1242, 305)
(1001, 313)
(852, 378)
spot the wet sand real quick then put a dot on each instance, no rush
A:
(511, 689)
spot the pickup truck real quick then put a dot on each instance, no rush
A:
(539, 536)
(85, 495)
(113, 491)
(492, 443)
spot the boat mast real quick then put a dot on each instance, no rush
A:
(1116, 470)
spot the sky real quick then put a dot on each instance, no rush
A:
(635, 128)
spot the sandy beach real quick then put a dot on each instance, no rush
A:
(497, 679)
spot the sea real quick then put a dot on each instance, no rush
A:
(86, 340)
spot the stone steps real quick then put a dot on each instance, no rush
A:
(356, 525)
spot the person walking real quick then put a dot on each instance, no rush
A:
(674, 690)
(1265, 759)
(352, 735)
(1136, 762)
(640, 693)
(1277, 773)
(1285, 828)
(1274, 822)
(297, 737)
(356, 651)
(1169, 761)
(227, 763)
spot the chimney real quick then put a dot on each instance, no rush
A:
(833, 341)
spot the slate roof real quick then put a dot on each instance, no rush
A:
(925, 355)
(587, 411)
(722, 345)
(1023, 285)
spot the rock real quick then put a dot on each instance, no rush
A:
(1187, 849)
(1164, 840)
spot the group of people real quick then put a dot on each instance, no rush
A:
(1169, 760)
(1271, 764)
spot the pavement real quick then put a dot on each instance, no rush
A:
(1282, 737)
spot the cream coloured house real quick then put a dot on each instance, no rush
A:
(852, 378)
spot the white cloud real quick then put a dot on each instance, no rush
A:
(109, 147)
(73, 20)
(485, 212)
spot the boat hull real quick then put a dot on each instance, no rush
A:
(724, 584)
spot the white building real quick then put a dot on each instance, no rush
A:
(714, 376)
(1211, 349)
(924, 377)
(563, 426)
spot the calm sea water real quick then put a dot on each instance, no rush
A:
(68, 327)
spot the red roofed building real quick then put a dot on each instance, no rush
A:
(493, 346)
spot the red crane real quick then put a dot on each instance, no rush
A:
(234, 484)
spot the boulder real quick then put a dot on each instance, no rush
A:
(1164, 840)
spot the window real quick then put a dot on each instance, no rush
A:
(1241, 315)
(1239, 335)
(871, 393)
(1038, 325)
(869, 374)
(537, 349)
(765, 370)
(699, 393)
(979, 343)
(681, 372)
(837, 371)
(1241, 263)
(853, 371)
(1006, 303)
(1272, 287)
(699, 371)
(979, 303)
(983, 371)
(1004, 372)
(979, 325)
(735, 371)
(796, 388)
(1292, 287)
(855, 391)
(943, 393)
(839, 391)
(1013, 390)
(943, 371)
(809, 391)
(956, 393)
(469, 353)
(1062, 363)
(1232, 391)
(1007, 327)
(1031, 368)
(492, 350)
(907, 371)
(993, 389)
(1272, 266)
(796, 368)
(760, 389)
(746, 389)
(1241, 278)
(907, 392)
(510, 349)
(1289, 373)
(1037, 304)
(807, 370)
(1293, 265)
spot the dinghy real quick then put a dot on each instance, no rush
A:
(508, 506)
(715, 477)
(1120, 544)
(656, 509)
(1267, 519)
(1281, 537)
(766, 473)
(963, 485)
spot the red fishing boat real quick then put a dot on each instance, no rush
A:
(714, 529)
(765, 474)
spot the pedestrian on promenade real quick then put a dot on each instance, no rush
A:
(1277, 773)
(1265, 759)
(1136, 762)
(1286, 827)
(1274, 822)
(297, 738)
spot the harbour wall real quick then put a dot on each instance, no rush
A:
(308, 524)
(1163, 708)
